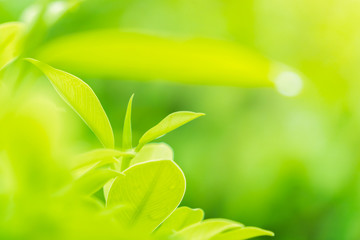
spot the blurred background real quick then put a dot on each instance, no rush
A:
(282, 157)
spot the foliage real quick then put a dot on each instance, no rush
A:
(286, 164)
(135, 199)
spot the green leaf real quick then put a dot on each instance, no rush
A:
(127, 133)
(82, 99)
(119, 54)
(93, 181)
(153, 151)
(107, 188)
(169, 123)
(207, 229)
(10, 41)
(150, 192)
(78, 172)
(182, 217)
(243, 233)
(103, 156)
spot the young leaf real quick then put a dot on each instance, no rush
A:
(242, 233)
(93, 181)
(169, 123)
(207, 229)
(127, 133)
(150, 192)
(153, 151)
(107, 188)
(179, 219)
(10, 41)
(78, 172)
(98, 156)
(82, 99)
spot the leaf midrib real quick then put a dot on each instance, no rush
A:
(145, 199)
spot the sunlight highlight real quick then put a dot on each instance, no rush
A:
(289, 83)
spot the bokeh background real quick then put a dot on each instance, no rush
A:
(288, 164)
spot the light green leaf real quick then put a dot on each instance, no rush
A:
(93, 181)
(182, 217)
(243, 233)
(10, 41)
(169, 123)
(149, 192)
(153, 151)
(78, 172)
(127, 133)
(82, 99)
(207, 229)
(103, 156)
(119, 54)
(107, 188)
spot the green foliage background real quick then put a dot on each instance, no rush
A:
(286, 164)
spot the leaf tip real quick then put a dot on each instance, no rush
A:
(31, 60)
(264, 232)
(36, 62)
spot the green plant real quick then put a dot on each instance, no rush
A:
(135, 191)
(143, 186)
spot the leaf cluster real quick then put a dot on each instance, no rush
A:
(139, 188)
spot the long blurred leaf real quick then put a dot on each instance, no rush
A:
(149, 191)
(153, 151)
(120, 54)
(242, 234)
(10, 35)
(207, 229)
(179, 219)
(82, 99)
(169, 123)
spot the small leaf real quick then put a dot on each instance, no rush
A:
(107, 188)
(150, 192)
(207, 229)
(169, 123)
(93, 181)
(78, 172)
(242, 234)
(127, 136)
(103, 156)
(10, 41)
(127, 133)
(182, 217)
(82, 99)
(153, 151)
